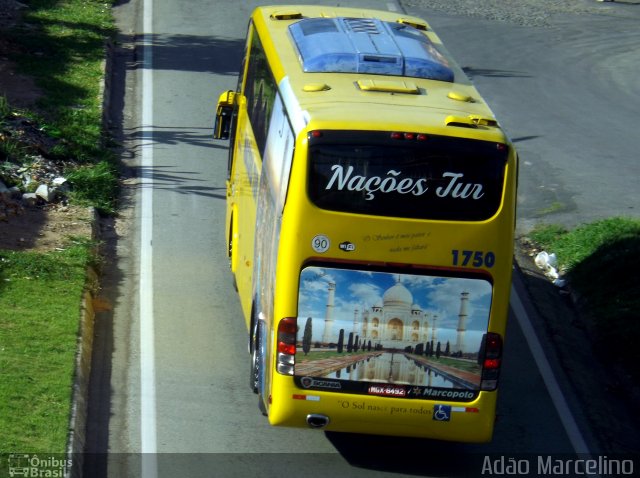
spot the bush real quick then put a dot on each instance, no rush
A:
(601, 261)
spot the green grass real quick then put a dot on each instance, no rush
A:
(601, 261)
(466, 365)
(317, 354)
(89, 182)
(61, 44)
(5, 108)
(39, 316)
(459, 364)
(64, 42)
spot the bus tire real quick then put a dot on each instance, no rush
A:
(255, 347)
(257, 364)
(262, 406)
(230, 244)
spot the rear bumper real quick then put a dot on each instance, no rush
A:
(470, 422)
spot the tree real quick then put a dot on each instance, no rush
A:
(350, 343)
(369, 346)
(438, 350)
(306, 337)
(447, 350)
(341, 341)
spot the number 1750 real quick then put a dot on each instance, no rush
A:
(473, 258)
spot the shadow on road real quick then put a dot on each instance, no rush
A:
(411, 456)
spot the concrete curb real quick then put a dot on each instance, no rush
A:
(79, 402)
(76, 438)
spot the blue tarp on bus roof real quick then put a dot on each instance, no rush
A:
(367, 45)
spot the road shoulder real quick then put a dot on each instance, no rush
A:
(601, 397)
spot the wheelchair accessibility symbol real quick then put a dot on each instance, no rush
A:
(442, 413)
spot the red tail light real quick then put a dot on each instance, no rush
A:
(491, 361)
(286, 348)
(287, 330)
(408, 136)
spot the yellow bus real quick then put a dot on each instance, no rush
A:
(370, 216)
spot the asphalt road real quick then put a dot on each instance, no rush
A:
(567, 93)
(170, 362)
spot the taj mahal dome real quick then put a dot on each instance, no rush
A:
(396, 321)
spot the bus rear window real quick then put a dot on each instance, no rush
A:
(403, 335)
(430, 177)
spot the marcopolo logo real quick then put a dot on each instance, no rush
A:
(455, 395)
(39, 466)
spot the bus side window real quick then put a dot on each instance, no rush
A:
(260, 92)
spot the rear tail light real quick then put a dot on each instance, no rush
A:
(287, 330)
(491, 361)
(408, 136)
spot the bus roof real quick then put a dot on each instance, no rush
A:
(367, 45)
(348, 64)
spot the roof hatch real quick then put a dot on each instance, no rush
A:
(367, 45)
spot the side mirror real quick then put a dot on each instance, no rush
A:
(224, 113)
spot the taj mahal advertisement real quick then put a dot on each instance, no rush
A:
(397, 334)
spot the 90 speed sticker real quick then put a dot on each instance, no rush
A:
(320, 243)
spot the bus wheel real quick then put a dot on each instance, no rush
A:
(230, 245)
(262, 406)
(256, 359)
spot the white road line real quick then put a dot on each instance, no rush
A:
(562, 407)
(148, 440)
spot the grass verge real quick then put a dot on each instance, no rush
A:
(61, 45)
(39, 303)
(601, 261)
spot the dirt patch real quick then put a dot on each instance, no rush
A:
(46, 229)
(43, 228)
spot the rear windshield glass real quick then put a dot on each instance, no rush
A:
(436, 177)
(404, 335)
